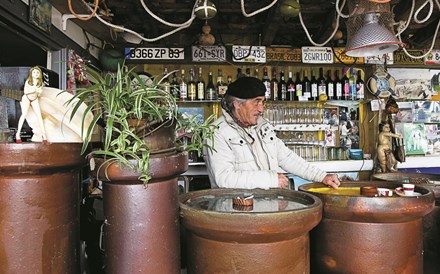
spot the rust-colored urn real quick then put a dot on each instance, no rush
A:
(142, 232)
(364, 234)
(39, 207)
(271, 235)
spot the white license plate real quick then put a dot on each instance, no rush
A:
(154, 53)
(317, 55)
(251, 54)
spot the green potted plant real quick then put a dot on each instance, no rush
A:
(145, 140)
(131, 111)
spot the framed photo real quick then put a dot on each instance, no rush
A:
(432, 133)
(426, 112)
(40, 14)
(435, 81)
(415, 139)
(412, 83)
(405, 114)
(190, 112)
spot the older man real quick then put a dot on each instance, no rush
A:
(247, 152)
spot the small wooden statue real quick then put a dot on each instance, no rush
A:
(385, 156)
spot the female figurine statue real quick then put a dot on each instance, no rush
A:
(387, 161)
(33, 87)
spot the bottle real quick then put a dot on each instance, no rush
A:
(282, 88)
(291, 93)
(229, 80)
(274, 86)
(166, 81)
(175, 86)
(345, 86)
(239, 73)
(183, 86)
(322, 85)
(192, 88)
(313, 87)
(256, 73)
(306, 85)
(266, 83)
(222, 87)
(360, 86)
(248, 72)
(330, 86)
(338, 86)
(352, 81)
(299, 87)
(200, 86)
(211, 91)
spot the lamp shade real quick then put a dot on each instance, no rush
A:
(371, 39)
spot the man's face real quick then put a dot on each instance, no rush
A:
(249, 111)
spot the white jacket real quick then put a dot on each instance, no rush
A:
(251, 158)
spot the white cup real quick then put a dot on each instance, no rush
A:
(408, 189)
(384, 192)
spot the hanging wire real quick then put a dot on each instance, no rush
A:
(333, 33)
(90, 16)
(257, 11)
(431, 6)
(190, 20)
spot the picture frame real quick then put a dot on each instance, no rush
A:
(40, 14)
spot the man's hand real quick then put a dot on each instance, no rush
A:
(283, 181)
(331, 180)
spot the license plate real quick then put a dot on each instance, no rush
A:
(317, 55)
(208, 53)
(251, 54)
(154, 53)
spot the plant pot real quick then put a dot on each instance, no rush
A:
(39, 207)
(142, 224)
(159, 137)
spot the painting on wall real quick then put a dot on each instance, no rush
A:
(40, 14)
(414, 138)
(412, 83)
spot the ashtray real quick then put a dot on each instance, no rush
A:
(369, 191)
(245, 200)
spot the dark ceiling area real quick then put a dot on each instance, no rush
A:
(229, 26)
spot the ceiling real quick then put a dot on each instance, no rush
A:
(229, 26)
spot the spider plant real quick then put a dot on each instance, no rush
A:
(118, 97)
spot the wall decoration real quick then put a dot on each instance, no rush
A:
(412, 83)
(405, 114)
(432, 133)
(414, 138)
(190, 112)
(426, 112)
(40, 14)
(435, 81)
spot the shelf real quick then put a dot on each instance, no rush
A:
(302, 127)
(197, 101)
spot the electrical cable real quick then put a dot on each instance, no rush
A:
(431, 6)
(190, 20)
(257, 11)
(90, 16)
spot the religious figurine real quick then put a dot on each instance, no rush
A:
(33, 88)
(387, 161)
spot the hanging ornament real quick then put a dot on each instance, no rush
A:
(290, 8)
(205, 9)
(206, 38)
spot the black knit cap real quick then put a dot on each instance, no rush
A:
(246, 88)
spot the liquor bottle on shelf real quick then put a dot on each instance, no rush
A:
(322, 84)
(330, 86)
(166, 81)
(266, 82)
(256, 73)
(306, 85)
(360, 86)
(175, 86)
(338, 86)
(313, 87)
(192, 87)
(229, 80)
(200, 86)
(239, 73)
(352, 81)
(282, 88)
(222, 87)
(211, 91)
(274, 86)
(299, 88)
(345, 86)
(248, 72)
(291, 93)
(183, 86)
